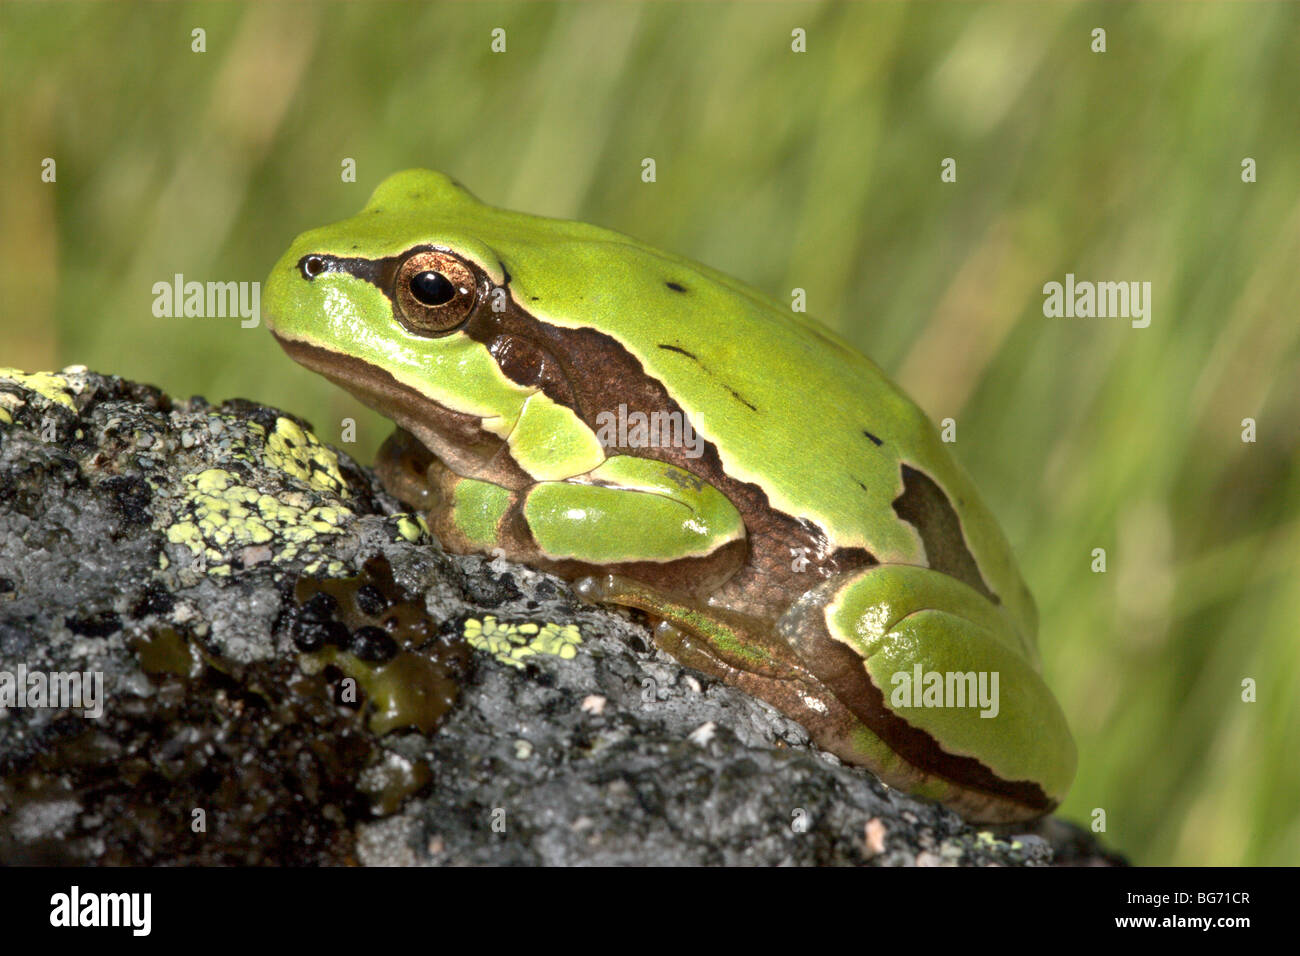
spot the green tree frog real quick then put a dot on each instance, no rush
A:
(672, 440)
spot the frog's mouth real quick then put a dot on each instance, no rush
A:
(457, 439)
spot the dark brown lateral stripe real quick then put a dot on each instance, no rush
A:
(924, 506)
(378, 272)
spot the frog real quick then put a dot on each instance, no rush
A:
(677, 443)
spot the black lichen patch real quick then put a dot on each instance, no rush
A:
(154, 599)
(373, 645)
(131, 497)
(312, 625)
(370, 600)
(99, 624)
(226, 762)
(366, 633)
(492, 590)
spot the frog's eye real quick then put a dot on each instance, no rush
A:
(435, 293)
(432, 288)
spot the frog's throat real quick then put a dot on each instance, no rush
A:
(458, 439)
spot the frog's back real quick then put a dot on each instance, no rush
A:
(789, 406)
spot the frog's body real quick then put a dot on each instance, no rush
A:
(813, 543)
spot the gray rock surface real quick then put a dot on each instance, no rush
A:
(171, 547)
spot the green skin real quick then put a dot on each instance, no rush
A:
(815, 544)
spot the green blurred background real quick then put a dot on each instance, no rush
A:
(818, 170)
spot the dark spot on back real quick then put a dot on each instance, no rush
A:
(734, 394)
(679, 351)
(876, 441)
(741, 398)
(675, 287)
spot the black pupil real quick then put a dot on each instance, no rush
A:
(432, 288)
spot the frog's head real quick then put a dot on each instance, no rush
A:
(403, 275)
(394, 305)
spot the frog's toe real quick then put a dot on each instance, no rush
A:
(597, 588)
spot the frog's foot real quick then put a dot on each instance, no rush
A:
(945, 701)
(402, 466)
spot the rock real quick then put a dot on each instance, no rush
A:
(290, 671)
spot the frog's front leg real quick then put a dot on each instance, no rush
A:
(947, 701)
(642, 519)
(634, 532)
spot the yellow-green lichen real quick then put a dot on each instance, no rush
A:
(220, 516)
(986, 838)
(298, 452)
(512, 643)
(409, 527)
(54, 387)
